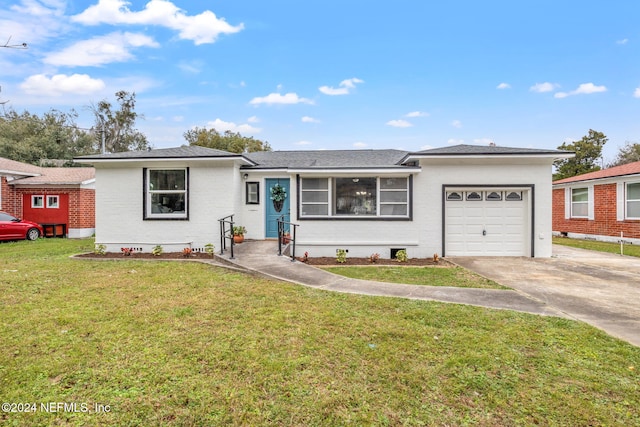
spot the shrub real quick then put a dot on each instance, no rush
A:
(402, 256)
(341, 256)
(100, 250)
(209, 249)
(373, 258)
(186, 252)
(127, 251)
(157, 250)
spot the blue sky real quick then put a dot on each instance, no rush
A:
(336, 74)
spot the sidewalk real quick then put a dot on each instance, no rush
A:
(260, 257)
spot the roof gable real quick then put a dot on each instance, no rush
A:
(8, 166)
(622, 170)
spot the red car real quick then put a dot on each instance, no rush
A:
(12, 228)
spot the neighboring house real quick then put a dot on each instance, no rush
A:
(602, 205)
(459, 200)
(49, 196)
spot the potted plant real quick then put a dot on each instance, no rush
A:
(278, 195)
(238, 233)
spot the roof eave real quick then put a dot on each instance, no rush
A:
(94, 160)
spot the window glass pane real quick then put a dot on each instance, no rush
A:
(494, 196)
(52, 201)
(579, 195)
(393, 196)
(579, 209)
(633, 209)
(167, 180)
(315, 209)
(454, 196)
(355, 196)
(315, 184)
(315, 196)
(393, 183)
(474, 195)
(37, 201)
(167, 203)
(252, 192)
(514, 196)
(393, 209)
(633, 191)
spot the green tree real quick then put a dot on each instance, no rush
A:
(228, 141)
(629, 153)
(118, 125)
(588, 152)
(35, 139)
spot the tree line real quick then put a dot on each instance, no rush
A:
(55, 138)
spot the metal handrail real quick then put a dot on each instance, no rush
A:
(223, 234)
(292, 236)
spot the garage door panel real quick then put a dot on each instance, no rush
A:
(504, 223)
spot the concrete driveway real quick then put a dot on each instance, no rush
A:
(598, 288)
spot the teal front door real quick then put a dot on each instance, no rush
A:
(275, 209)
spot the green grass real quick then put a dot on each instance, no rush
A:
(186, 344)
(592, 245)
(431, 276)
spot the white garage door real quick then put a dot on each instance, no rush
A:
(486, 222)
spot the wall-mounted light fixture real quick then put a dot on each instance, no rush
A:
(245, 176)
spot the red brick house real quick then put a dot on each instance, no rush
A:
(61, 196)
(602, 205)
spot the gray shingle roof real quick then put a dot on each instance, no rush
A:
(464, 149)
(326, 159)
(185, 151)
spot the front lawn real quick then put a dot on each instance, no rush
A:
(186, 344)
(430, 276)
(592, 245)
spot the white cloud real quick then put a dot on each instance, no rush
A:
(623, 41)
(253, 119)
(456, 124)
(583, 89)
(278, 98)
(61, 84)
(503, 86)
(359, 144)
(114, 47)
(417, 114)
(202, 28)
(307, 119)
(636, 93)
(304, 143)
(222, 126)
(33, 22)
(345, 87)
(399, 123)
(427, 147)
(452, 141)
(543, 87)
(177, 119)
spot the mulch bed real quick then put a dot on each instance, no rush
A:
(146, 255)
(319, 261)
(327, 261)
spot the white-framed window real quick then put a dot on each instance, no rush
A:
(633, 200)
(580, 202)
(53, 202)
(253, 193)
(355, 197)
(166, 193)
(37, 201)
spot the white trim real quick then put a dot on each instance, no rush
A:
(620, 201)
(37, 207)
(348, 172)
(567, 203)
(49, 205)
(590, 204)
